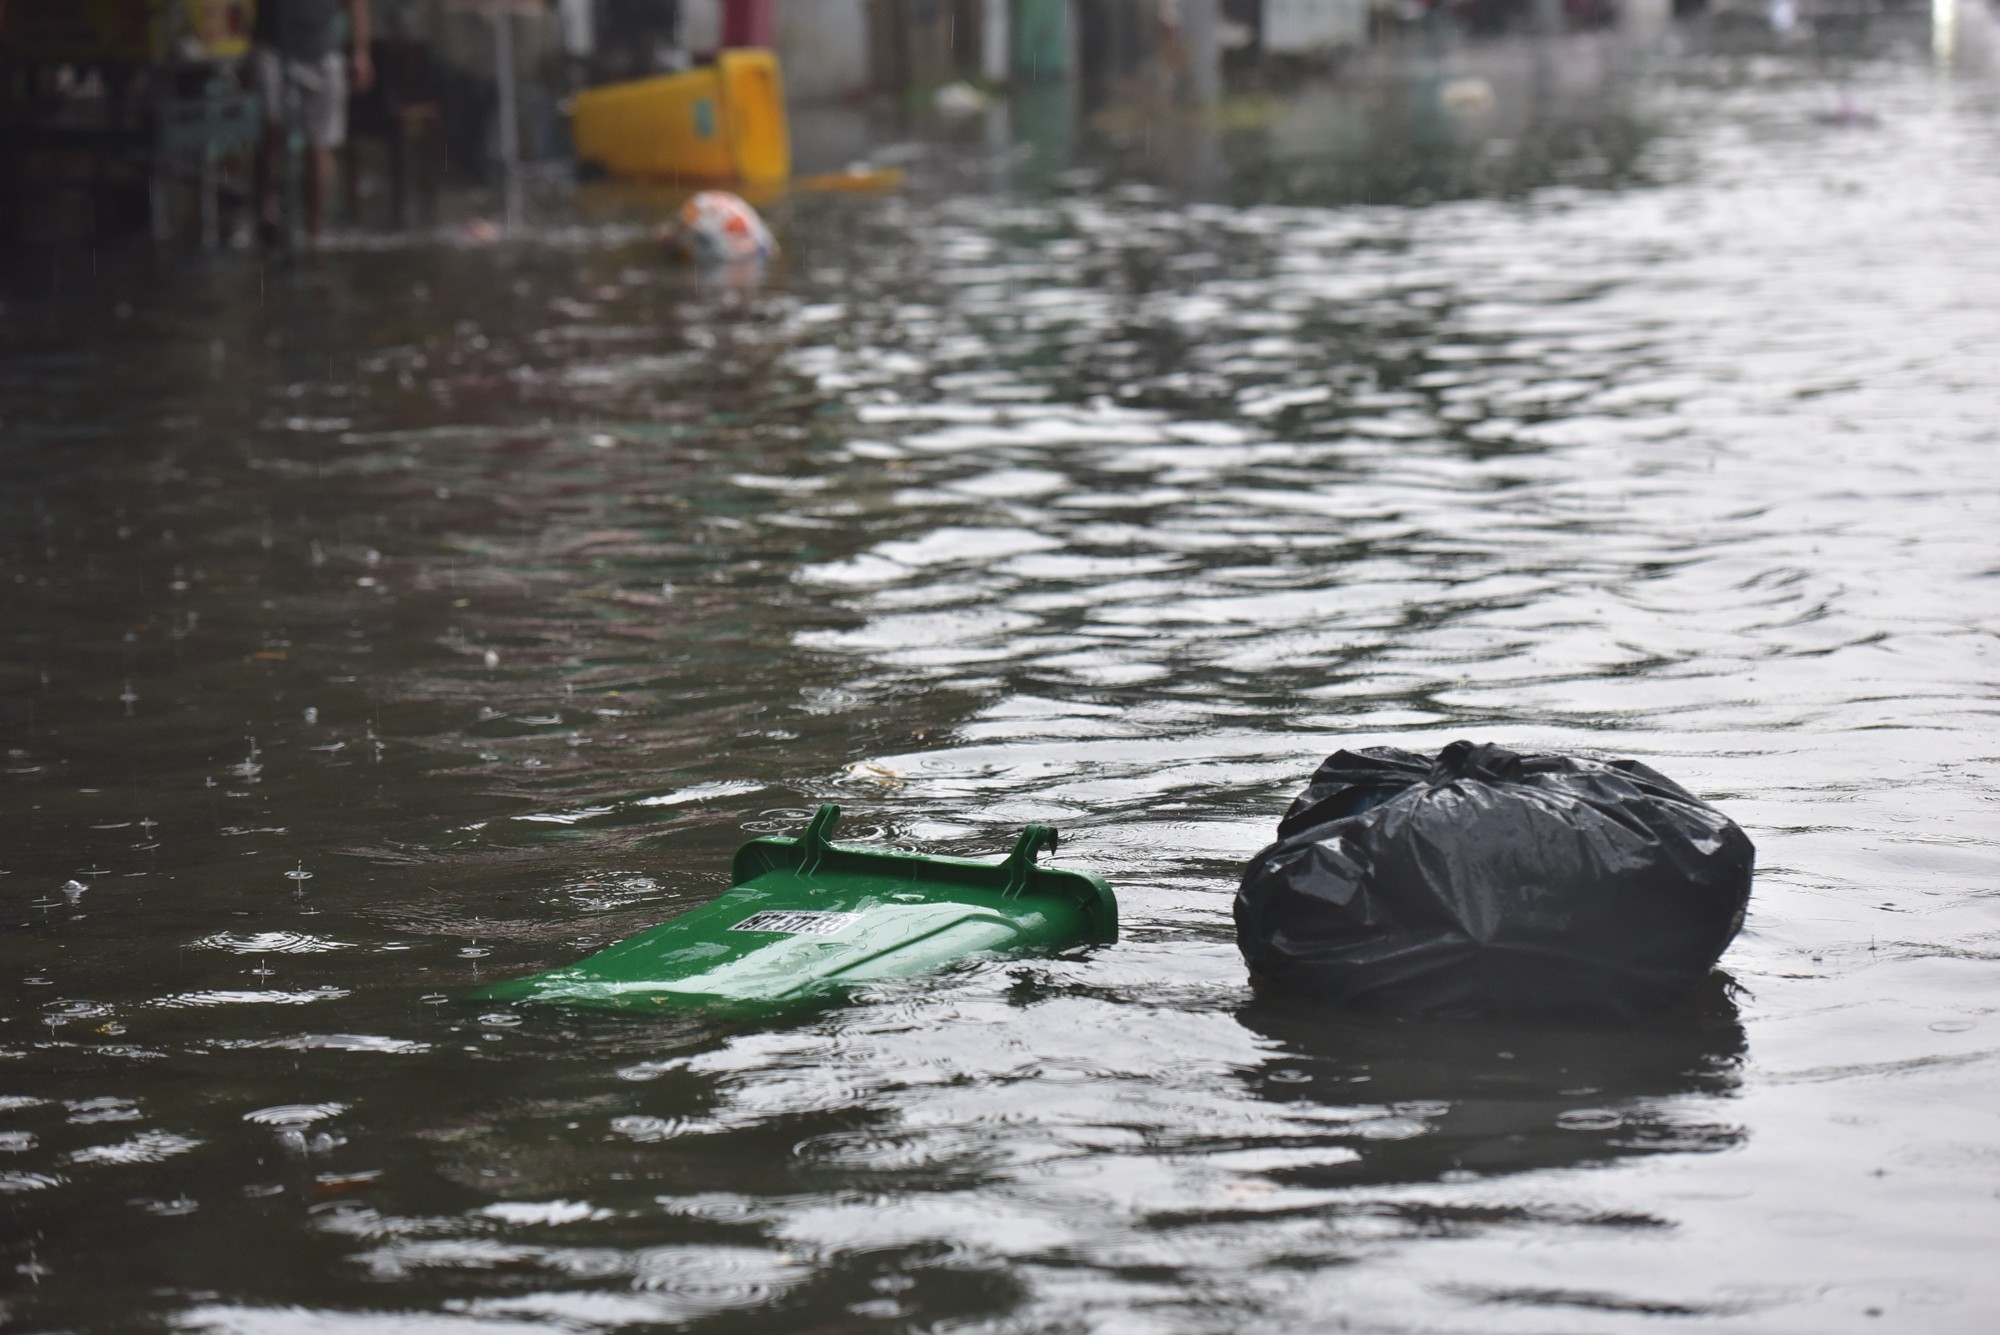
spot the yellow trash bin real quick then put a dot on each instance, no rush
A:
(723, 122)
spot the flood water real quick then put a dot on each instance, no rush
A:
(434, 613)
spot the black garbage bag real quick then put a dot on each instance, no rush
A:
(1490, 883)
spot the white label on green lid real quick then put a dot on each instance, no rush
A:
(797, 922)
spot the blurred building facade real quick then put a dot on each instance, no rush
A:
(131, 115)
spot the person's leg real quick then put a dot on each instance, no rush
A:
(324, 94)
(267, 73)
(319, 184)
(268, 150)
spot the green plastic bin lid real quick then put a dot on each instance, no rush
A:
(806, 919)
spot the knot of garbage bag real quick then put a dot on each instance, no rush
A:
(1475, 760)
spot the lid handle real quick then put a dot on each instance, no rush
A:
(1020, 864)
(813, 843)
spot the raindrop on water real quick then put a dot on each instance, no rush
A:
(247, 768)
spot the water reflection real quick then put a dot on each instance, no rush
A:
(1445, 126)
(1417, 1102)
(1944, 32)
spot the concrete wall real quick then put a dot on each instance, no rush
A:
(823, 45)
(701, 25)
(1302, 27)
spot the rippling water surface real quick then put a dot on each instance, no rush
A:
(435, 614)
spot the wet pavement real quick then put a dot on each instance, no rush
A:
(437, 612)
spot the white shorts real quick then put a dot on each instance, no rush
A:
(311, 94)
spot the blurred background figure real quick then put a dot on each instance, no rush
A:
(635, 38)
(302, 81)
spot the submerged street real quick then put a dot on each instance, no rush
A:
(430, 612)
